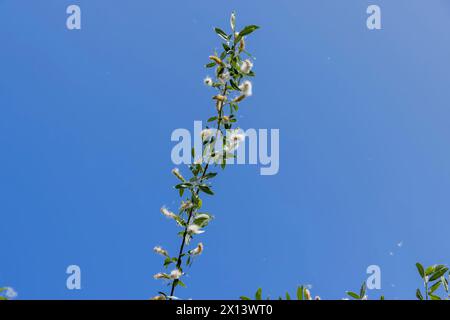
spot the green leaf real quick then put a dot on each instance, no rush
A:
(180, 221)
(246, 31)
(353, 295)
(420, 270)
(444, 283)
(438, 273)
(222, 34)
(434, 297)
(210, 65)
(212, 119)
(189, 261)
(167, 262)
(362, 291)
(202, 222)
(210, 175)
(419, 294)
(430, 270)
(220, 70)
(206, 189)
(234, 85)
(199, 203)
(183, 185)
(225, 47)
(258, 294)
(300, 293)
(439, 267)
(288, 297)
(434, 287)
(244, 298)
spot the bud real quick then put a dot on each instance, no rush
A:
(233, 21)
(246, 88)
(216, 59)
(161, 251)
(161, 275)
(219, 106)
(208, 81)
(177, 174)
(168, 213)
(186, 205)
(241, 45)
(246, 66)
(175, 274)
(307, 294)
(198, 250)
(205, 134)
(10, 293)
(224, 77)
(194, 229)
(220, 98)
(240, 98)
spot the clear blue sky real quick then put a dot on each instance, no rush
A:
(85, 124)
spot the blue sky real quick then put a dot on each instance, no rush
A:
(85, 124)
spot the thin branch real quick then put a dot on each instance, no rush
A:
(196, 192)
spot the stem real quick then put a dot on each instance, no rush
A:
(197, 190)
(183, 242)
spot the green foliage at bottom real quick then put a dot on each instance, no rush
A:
(435, 287)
